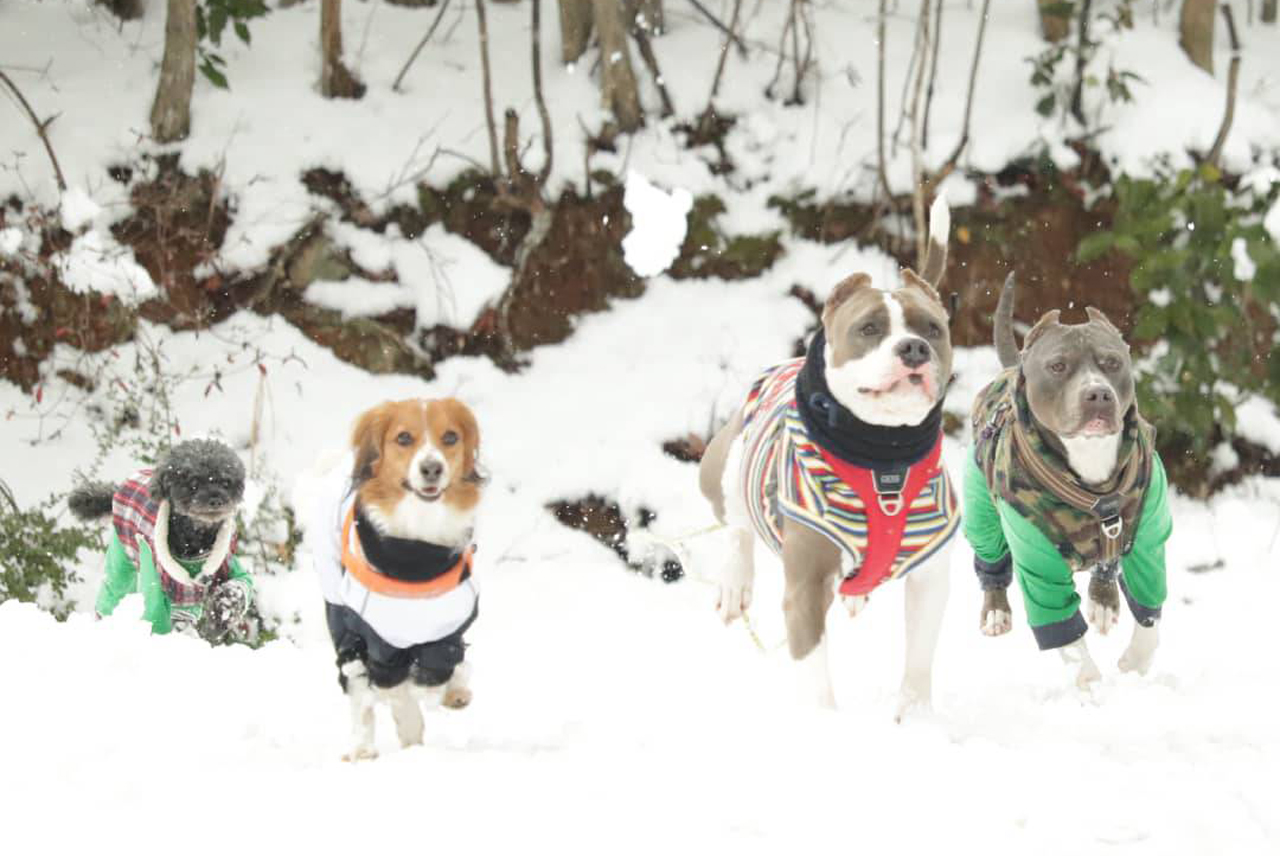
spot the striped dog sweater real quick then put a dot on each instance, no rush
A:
(785, 475)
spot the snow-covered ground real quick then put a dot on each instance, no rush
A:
(612, 712)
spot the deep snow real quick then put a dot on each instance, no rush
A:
(612, 712)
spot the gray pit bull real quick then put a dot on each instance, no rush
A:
(1079, 385)
(887, 360)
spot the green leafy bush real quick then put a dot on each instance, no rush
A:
(212, 17)
(36, 552)
(1207, 315)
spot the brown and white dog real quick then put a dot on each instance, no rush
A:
(834, 461)
(391, 534)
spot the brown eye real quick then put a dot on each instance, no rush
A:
(1057, 366)
(1111, 364)
(934, 331)
(869, 329)
(449, 438)
(404, 438)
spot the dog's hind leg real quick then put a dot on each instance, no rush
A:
(361, 695)
(927, 588)
(407, 714)
(457, 693)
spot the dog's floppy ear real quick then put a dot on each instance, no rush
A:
(366, 441)
(469, 428)
(843, 292)
(1047, 320)
(911, 279)
(161, 485)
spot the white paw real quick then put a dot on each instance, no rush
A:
(360, 753)
(854, 603)
(734, 600)
(1077, 654)
(1088, 675)
(1141, 651)
(1103, 618)
(911, 700)
(996, 622)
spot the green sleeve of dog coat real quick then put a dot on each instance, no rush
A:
(239, 573)
(1143, 568)
(1048, 589)
(155, 603)
(121, 578)
(981, 521)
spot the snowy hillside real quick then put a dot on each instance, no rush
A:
(613, 713)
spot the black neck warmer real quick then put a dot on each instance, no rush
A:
(834, 427)
(403, 558)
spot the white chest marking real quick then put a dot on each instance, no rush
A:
(1093, 458)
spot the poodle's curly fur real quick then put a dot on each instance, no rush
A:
(203, 480)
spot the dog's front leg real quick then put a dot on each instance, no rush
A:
(926, 599)
(810, 563)
(1077, 656)
(737, 577)
(360, 693)
(407, 713)
(1142, 649)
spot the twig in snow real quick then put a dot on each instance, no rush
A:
(495, 167)
(949, 165)
(933, 73)
(1077, 94)
(395, 87)
(917, 150)
(1233, 77)
(719, 25)
(651, 62)
(545, 172)
(41, 128)
(709, 113)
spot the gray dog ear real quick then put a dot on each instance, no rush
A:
(1097, 316)
(1047, 320)
(843, 292)
(911, 279)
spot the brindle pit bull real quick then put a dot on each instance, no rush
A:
(888, 360)
(1079, 383)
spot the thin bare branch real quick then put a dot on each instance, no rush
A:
(917, 150)
(495, 167)
(933, 72)
(651, 62)
(1077, 93)
(719, 25)
(42, 128)
(724, 53)
(949, 165)
(1233, 77)
(880, 50)
(545, 172)
(395, 87)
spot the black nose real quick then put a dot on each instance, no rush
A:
(432, 470)
(1098, 395)
(913, 352)
(217, 498)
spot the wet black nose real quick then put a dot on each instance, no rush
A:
(1098, 395)
(913, 352)
(431, 471)
(217, 498)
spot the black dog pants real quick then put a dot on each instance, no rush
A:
(429, 664)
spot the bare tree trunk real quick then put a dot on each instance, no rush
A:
(575, 28)
(171, 112)
(917, 150)
(1196, 28)
(1233, 79)
(335, 80)
(617, 81)
(1269, 11)
(1077, 90)
(1054, 25)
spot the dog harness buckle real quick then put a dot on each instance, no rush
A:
(1112, 526)
(889, 484)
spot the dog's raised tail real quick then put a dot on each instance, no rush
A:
(91, 500)
(935, 261)
(1006, 345)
